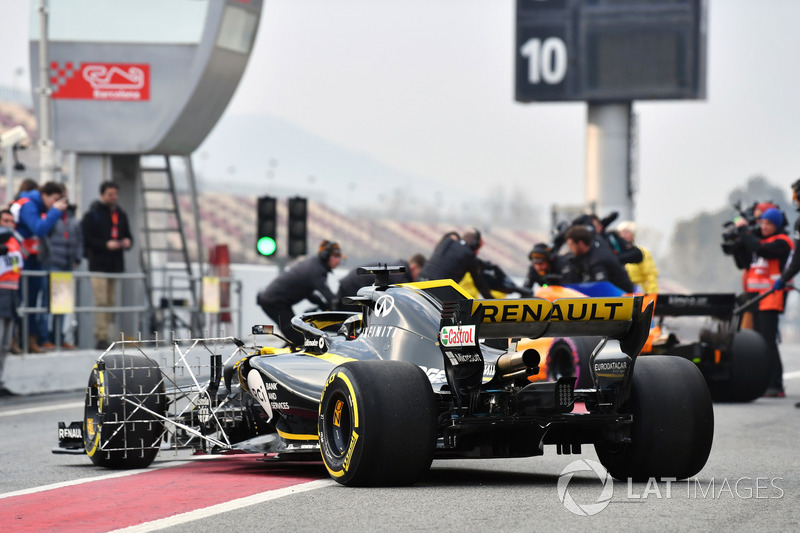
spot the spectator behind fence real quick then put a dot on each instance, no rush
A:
(64, 254)
(36, 213)
(10, 265)
(106, 236)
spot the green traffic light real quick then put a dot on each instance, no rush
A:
(266, 246)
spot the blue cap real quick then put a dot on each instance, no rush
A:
(774, 216)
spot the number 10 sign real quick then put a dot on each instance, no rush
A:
(609, 50)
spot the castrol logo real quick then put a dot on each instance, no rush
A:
(454, 336)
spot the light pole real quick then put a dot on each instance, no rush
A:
(46, 146)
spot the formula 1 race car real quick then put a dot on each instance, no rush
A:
(416, 376)
(733, 360)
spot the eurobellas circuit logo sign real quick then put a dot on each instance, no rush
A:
(100, 81)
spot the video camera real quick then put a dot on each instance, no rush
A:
(731, 235)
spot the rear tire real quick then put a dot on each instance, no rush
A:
(749, 369)
(673, 422)
(118, 434)
(377, 423)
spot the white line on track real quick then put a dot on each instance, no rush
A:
(42, 409)
(791, 375)
(225, 507)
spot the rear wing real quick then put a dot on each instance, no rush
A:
(621, 318)
(719, 305)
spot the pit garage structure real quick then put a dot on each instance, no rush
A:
(133, 86)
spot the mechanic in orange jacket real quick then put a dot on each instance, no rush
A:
(770, 253)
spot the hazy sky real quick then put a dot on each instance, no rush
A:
(426, 87)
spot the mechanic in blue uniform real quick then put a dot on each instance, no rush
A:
(590, 261)
(305, 280)
(349, 285)
(453, 257)
(770, 251)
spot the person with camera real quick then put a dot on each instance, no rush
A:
(769, 251)
(746, 222)
(306, 279)
(36, 213)
(64, 252)
(454, 256)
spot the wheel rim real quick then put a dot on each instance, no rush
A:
(340, 427)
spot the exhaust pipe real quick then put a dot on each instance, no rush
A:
(518, 364)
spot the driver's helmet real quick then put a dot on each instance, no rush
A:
(351, 327)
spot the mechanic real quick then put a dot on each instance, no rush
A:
(770, 251)
(591, 261)
(349, 285)
(11, 262)
(36, 213)
(625, 250)
(454, 256)
(307, 279)
(542, 259)
(644, 274)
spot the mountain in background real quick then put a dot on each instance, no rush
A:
(261, 155)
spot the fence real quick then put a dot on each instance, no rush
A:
(142, 314)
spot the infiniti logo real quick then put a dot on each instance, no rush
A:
(384, 306)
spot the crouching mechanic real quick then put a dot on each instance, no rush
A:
(770, 253)
(305, 280)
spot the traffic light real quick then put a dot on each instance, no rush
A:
(267, 226)
(298, 226)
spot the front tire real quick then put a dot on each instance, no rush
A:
(118, 432)
(673, 422)
(377, 423)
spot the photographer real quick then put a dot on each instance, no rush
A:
(746, 222)
(769, 251)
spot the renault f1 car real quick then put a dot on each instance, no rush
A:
(416, 376)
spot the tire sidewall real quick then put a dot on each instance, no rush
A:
(340, 454)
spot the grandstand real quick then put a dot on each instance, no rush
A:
(231, 219)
